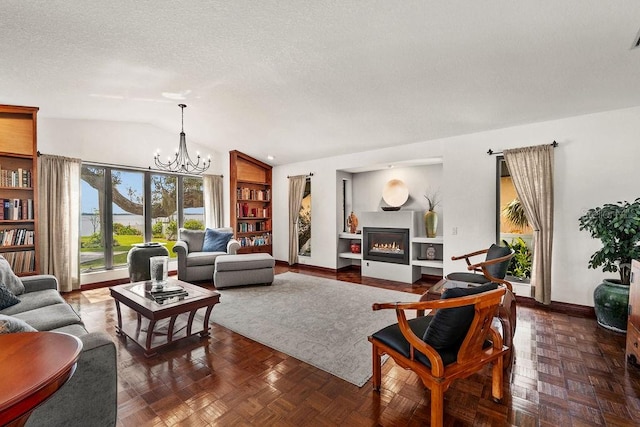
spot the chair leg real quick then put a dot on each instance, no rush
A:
(377, 368)
(496, 379)
(437, 406)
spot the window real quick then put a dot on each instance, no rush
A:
(304, 222)
(512, 225)
(133, 207)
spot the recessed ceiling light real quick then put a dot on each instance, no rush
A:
(270, 157)
(177, 96)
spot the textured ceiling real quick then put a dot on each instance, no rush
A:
(310, 79)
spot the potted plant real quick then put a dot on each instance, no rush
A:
(617, 225)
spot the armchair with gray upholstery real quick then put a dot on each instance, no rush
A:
(194, 264)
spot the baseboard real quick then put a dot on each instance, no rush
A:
(557, 307)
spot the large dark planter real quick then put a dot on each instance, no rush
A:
(611, 300)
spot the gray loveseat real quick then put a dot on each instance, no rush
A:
(193, 264)
(89, 398)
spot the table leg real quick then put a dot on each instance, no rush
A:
(172, 323)
(119, 327)
(147, 348)
(205, 324)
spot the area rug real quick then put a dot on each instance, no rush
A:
(322, 322)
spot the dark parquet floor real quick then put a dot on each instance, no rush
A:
(568, 372)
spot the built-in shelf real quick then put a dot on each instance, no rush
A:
(350, 255)
(438, 240)
(434, 263)
(350, 236)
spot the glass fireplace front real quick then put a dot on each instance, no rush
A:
(386, 244)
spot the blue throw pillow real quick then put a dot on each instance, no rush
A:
(216, 241)
(7, 298)
(450, 325)
(10, 325)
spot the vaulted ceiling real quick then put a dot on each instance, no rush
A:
(310, 79)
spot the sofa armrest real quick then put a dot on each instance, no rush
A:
(90, 396)
(181, 248)
(39, 282)
(233, 246)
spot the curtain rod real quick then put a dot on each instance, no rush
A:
(309, 174)
(137, 168)
(491, 152)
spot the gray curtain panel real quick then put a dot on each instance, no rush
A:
(531, 170)
(212, 195)
(59, 219)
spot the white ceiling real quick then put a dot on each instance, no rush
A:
(315, 78)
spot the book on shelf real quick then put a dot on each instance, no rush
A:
(15, 178)
(21, 261)
(16, 209)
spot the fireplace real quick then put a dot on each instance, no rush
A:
(386, 244)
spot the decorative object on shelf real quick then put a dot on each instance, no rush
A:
(182, 161)
(352, 222)
(431, 253)
(618, 228)
(356, 247)
(159, 269)
(395, 193)
(431, 217)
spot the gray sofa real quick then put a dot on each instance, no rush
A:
(89, 398)
(193, 264)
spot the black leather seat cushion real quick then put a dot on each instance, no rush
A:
(392, 337)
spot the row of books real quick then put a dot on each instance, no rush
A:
(248, 227)
(15, 209)
(265, 239)
(21, 261)
(244, 193)
(244, 211)
(15, 178)
(16, 237)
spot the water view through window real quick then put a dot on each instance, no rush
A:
(113, 204)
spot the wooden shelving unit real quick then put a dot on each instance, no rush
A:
(18, 188)
(251, 207)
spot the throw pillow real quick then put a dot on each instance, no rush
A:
(497, 270)
(8, 277)
(10, 325)
(450, 325)
(216, 241)
(7, 299)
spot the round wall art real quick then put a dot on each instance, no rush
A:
(395, 193)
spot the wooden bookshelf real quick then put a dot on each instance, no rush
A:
(18, 188)
(251, 199)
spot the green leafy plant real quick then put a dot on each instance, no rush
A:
(156, 229)
(617, 225)
(520, 265)
(514, 213)
(193, 224)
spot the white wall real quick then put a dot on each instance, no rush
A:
(420, 180)
(595, 163)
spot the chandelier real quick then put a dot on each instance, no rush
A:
(182, 161)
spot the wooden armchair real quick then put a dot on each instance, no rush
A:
(456, 342)
(493, 268)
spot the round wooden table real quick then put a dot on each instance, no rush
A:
(33, 366)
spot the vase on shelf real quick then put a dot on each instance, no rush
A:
(431, 223)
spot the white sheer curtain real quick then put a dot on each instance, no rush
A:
(212, 198)
(59, 219)
(531, 170)
(296, 193)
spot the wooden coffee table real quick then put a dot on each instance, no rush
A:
(180, 312)
(33, 366)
